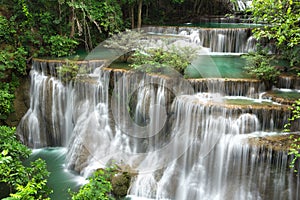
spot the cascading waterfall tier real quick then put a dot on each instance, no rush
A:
(228, 87)
(220, 164)
(181, 138)
(231, 40)
(288, 82)
(48, 122)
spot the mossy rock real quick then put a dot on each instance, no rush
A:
(275, 142)
(120, 184)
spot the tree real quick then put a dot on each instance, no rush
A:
(139, 4)
(282, 21)
(162, 59)
(125, 43)
(258, 65)
(105, 16)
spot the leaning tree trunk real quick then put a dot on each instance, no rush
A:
(139, 24)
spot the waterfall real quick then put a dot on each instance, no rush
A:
(229, 87)
(179, 144)
(228, 40)
(225, 40)
(49, 120)
(219, 164)
(288, 82)
(45, 122)
(242, 5)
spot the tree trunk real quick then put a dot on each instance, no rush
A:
(196, 3)
(139, 24)
(132, 16)
(72, 21)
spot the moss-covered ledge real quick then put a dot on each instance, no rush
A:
(280, 142)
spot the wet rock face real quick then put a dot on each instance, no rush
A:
(21, 102)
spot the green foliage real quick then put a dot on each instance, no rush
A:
(126, 42)
(54, 28)
(36, 187)
(23, 182)
(158, 59)
(6, 30)
(258, 64)
(62, 45)
(6, 101)
(69, 71)
(294, 150)
(105, 15)
(295, 146)
(94, 18)
(13, 60)
(99, 187)
(282, 23)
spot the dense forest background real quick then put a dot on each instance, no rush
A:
(57, 28)
(42, 24)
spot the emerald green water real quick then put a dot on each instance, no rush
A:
(60, 179)
(214, 66)
(224, 66)
(244, 102)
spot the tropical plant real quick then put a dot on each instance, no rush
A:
(125, 43)
(99, 187)
(22, 182)
(6, 101)
(12, 63)
(62, 45)
(12, 60)
(94, 18)
(282, 23)
(68, 71)
(295, 146)
(159, 59)
(258, 65)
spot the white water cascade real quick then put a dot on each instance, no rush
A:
(242, 5)
(221, 40)
(179, 144)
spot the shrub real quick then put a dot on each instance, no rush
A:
(62, 45)
(258, 65)
(69, 71)
(158, 59)
(6, 101)
(99, 187)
